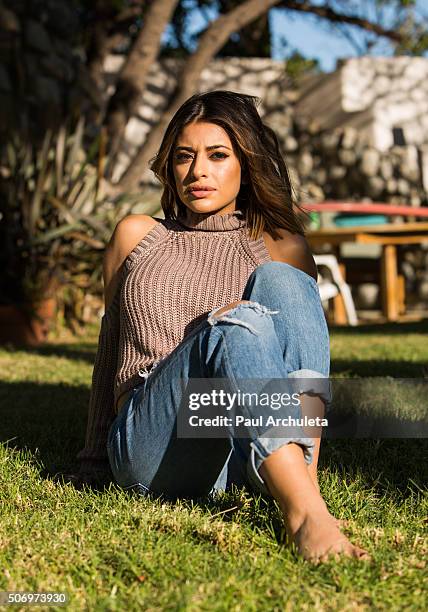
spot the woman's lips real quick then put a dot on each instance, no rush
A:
(201, 194)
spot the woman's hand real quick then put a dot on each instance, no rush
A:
(84, 477)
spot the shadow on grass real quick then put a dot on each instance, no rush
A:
(378, 367)
(410, 327)
(50, 422)
(371, 367)
(86, 351)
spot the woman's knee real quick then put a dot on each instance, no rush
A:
(245, 313)
(281, 281)
(280, 270)
(228, 307)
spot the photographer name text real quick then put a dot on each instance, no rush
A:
(259, 421)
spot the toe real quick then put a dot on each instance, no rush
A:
(362, 554)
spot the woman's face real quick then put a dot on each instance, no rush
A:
(203, 156)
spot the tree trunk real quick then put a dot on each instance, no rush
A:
(211, 41)
(98, 46)
(133, 75)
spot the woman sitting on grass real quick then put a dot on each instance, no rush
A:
(223, 287)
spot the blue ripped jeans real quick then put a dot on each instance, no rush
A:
(281, 333)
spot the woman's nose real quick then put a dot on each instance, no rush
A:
(199, 166)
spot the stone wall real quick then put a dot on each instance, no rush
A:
(339, 165)
(261, 77)
(43, 80)
(39, 69)
(325, 163)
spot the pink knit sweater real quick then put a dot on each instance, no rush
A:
(168, 283)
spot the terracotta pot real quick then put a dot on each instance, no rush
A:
(27, 325)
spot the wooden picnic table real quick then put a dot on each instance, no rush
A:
(388, 236)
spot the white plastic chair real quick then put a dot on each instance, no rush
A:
(330, 290)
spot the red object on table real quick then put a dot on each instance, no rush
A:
(375, 208)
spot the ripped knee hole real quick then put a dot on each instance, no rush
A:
(228, 307)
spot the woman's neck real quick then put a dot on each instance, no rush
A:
(214, 221)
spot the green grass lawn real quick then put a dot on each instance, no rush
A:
(110, 550)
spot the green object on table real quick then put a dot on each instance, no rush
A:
(355, 220)
(315, 218)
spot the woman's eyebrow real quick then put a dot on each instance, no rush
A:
(216, 146)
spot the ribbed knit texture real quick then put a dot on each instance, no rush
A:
(168, 284)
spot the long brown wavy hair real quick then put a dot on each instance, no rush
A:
(266, 194)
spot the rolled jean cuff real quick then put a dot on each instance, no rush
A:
(312, 383)
(263, 447)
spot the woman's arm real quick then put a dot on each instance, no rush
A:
(93, 457)
(127, 234)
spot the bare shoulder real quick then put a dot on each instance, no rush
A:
(292, 249)
(127, 234)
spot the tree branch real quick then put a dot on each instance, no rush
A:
(210, 42)
(330, 14)
(133, 75)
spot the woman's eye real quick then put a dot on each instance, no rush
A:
(184, 156)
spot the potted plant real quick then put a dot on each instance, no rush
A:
(54, 224)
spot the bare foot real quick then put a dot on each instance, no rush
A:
(314, 478)
(318, 537)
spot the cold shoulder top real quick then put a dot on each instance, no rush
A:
(168, 283)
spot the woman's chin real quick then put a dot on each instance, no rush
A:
(203, 206)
